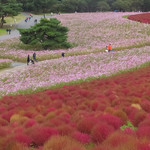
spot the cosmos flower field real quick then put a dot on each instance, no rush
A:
(110, 110)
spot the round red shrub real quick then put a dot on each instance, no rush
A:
(30, 123)
(114, 121)
(86, 124)
(41, 134)
(143, 132)
(22, 138)
(145, 104)
(81, 137)
(101, 131)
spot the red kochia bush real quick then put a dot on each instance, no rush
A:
(30, 123)
(145, 104)
(114, 121)
(101, 131)
(86, 124)
(40, 134)
(143, 131)
(22, 138)
(81, 137)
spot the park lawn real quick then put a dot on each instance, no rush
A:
(10, 20)
(2, 31)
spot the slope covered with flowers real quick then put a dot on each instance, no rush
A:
(88, 32)
(143, 18)
(87, 115)
(52, 72)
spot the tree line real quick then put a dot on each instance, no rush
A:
(84, 5)
(13, 7)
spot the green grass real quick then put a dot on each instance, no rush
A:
(10, 20)
(126, 16)
(3, 31)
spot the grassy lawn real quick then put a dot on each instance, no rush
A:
(10, 20)
(2, 31)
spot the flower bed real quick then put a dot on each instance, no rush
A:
(90, 113)
(143, 18)
(52, 72)
(5, 63)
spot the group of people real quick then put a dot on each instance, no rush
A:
(8, 31)
(28, 18)
(108, 48)
(29, 60)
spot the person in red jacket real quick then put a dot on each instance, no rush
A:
(109, 47)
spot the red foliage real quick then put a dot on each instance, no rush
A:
(143, 132)
(86, 124)
(144, 18)
(40, 134)
(81, 137)
(7, 115)
(101, 131)
(114, 121)
(30, 123)
(22, 138)
(145, 104)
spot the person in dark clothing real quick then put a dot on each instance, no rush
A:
(34, 57)
(9, 31)
(35, 21)
(63, 54)
(28, 60)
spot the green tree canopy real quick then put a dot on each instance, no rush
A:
(8, 8)
(48, 33)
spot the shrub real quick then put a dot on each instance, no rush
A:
(143, 131)
(65, 129)
(30, 123)
(41, 134)
(22, 138)
(86, 124)
(81, 137)
(7, 115)
(122, 115)
(111, 120)
(145, 104)
(62, 143)
(101, 131)
(139, 117)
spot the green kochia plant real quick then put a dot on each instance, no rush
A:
(49, 33)
(129, 125)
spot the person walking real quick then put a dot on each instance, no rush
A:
(34, 57)
(9, 31)
(28, 60)
(109, 47)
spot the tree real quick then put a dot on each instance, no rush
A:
(122, 5)
(103, 6)
(49, 33)
(8, 8)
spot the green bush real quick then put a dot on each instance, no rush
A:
(48, 33)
